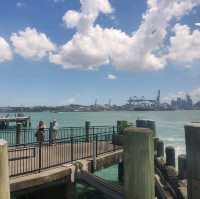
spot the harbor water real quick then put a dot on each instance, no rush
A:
(169, 128)
(169, 124)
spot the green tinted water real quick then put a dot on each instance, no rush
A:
(170, 128)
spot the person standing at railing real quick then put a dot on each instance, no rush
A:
(55, 130)
(40, 132)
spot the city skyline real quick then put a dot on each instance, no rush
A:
(79, 51)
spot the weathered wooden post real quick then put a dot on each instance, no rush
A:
(170, 156)
(192, 137)
(182, 167)
(160, 148)
(121, 171)
(18, 132)
(147, 124)
(138, 163)
(4, 171)
(155, 139)
(70, 188)
(87, 130)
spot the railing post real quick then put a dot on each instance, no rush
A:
(192, 137)
(94, 155)
(51, 133)
(138, 163)
(18, 132)
(96, 144)
(4, 171)
(113, 135)
(40, 156)
(87, 130)
(72, 151)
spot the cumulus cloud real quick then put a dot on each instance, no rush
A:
(111, 77)
(184, 45)
(5, 51)
(31, 44)
(71, 18)
(93, 46)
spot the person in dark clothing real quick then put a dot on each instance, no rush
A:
(40, 132)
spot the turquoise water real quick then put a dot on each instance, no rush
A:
(170, 124)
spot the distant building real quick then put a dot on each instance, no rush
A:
(182, 103)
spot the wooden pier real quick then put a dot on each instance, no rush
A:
(145, 171)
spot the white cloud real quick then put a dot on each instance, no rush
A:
(20, 4)
(197, 24)
(31, 44)
(93, 46)
(111, 77)
(71, 18)
(194, 94)
(184, 45)
(58, 1)
(90, 10)
(5, 51)
(71, 100)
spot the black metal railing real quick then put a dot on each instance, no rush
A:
(28, 135)
(34, 157)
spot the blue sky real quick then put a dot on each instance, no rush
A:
(102, 49)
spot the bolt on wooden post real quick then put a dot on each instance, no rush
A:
(4, 171)
(192, 138)
(138, 163)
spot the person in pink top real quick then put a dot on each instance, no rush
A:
(40, 132)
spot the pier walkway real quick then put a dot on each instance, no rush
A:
(34, 158)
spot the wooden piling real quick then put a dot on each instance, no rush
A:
(182, 167)
(121, 172)
(192, 137)
(155, 145)
(87, 130)
(147, 124)
(4, 171)
(170, 156)
(138, 163)
(18, 133)
(160, 148)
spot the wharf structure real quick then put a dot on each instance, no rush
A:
(5, 121)
(78, 151)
